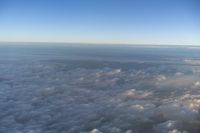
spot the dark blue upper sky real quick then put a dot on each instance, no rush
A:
(101, 21)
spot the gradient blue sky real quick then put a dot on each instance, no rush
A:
(101, 21)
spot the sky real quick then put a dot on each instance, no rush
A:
(101, 21)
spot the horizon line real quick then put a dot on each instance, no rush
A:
(104, 43)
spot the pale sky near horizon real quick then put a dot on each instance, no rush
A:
(101, 21)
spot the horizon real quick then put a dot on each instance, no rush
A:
(158, 22)
(96, 43)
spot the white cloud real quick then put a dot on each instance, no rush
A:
(49, 98)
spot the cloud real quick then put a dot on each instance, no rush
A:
(178, 81)
(53, 97)
(192, 61)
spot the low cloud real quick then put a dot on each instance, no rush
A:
(47, 99)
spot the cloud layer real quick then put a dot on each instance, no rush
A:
(70, 97)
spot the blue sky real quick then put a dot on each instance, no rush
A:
(101, 21)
